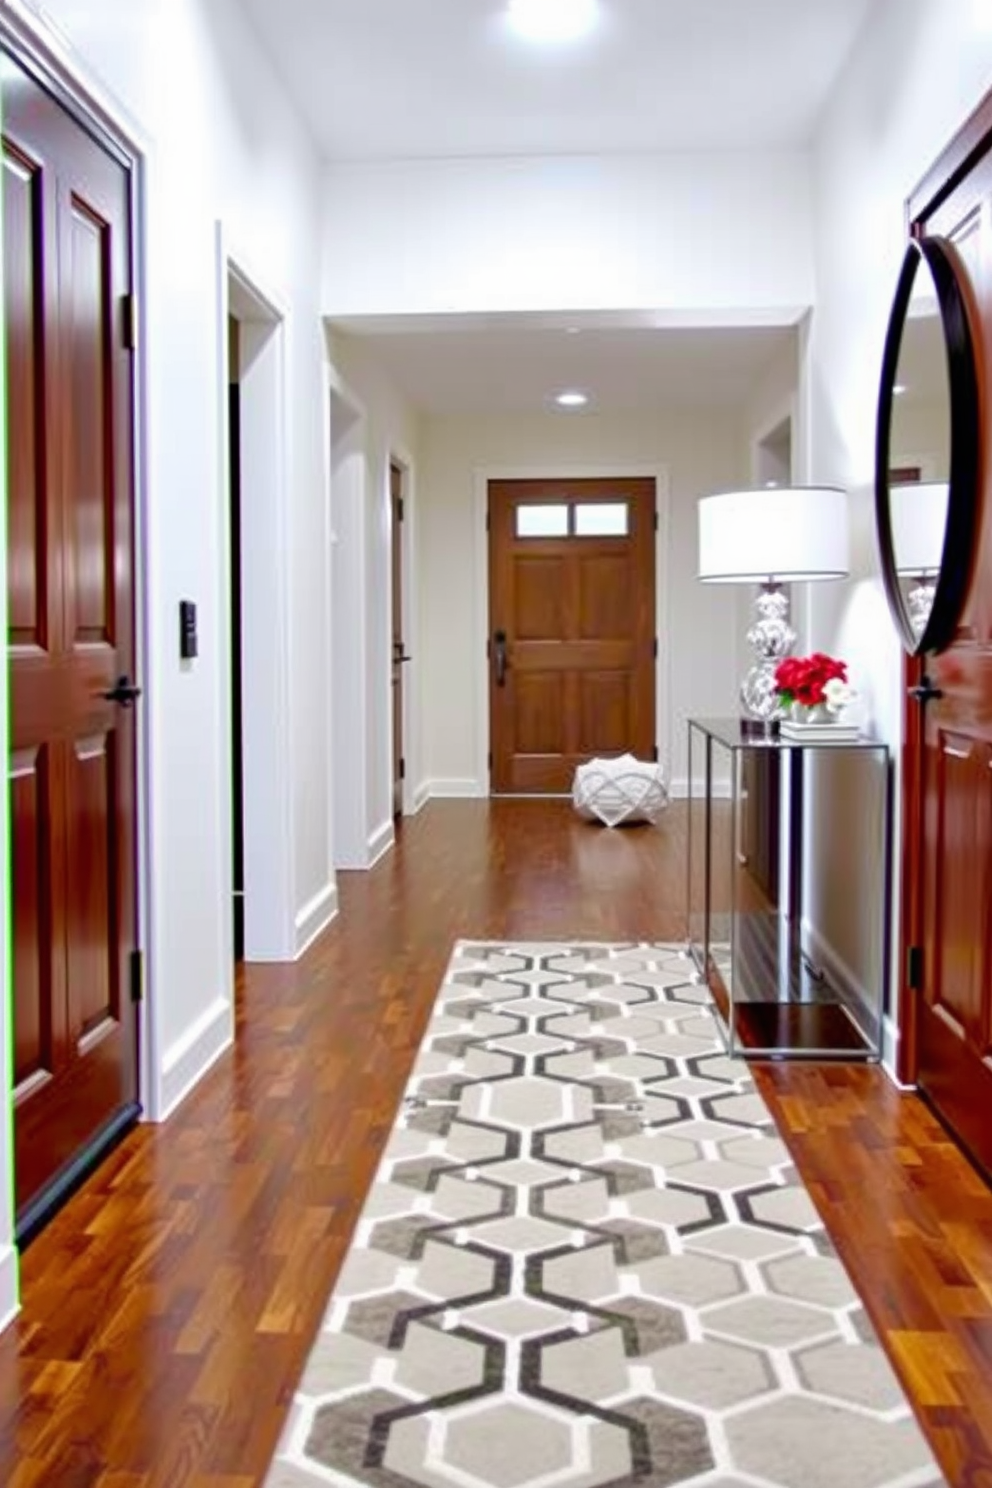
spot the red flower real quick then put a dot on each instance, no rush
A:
(801, 679)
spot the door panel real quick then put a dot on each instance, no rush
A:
(572, 588)
(606, 718)
(70, 563)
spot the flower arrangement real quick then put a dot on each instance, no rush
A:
(813, 681)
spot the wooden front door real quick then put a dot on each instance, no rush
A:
(572, 627)
(69, 409)
(951, 837)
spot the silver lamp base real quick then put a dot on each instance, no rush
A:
(919, 601)
(771, 637)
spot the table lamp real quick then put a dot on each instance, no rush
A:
(772, 536)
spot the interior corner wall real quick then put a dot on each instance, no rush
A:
(724, 238)
(918, 70)
(701, 453)
(391, 429)
(232, 151)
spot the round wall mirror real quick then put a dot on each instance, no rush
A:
(926, 457)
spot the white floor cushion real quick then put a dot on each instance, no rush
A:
(618, 790)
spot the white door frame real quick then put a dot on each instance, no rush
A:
(348, 620)
(266, 647)
(482, 475)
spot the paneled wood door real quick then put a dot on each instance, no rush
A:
(952, 770)
(67, 276)
(572, 627)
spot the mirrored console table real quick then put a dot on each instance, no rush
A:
(788, 864)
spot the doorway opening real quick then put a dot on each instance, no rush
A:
(400, 654)
(263, 924)
(237, 762)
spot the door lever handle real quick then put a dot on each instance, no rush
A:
(123, 692)
(926, 692)
(499, 656)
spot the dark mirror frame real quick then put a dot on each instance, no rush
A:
(962, 499)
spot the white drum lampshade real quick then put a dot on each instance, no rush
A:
(772, 536)
(918, 513)
(778, 535)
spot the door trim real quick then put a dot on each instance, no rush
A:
(482, 475)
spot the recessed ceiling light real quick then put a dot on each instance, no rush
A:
(571, 399)
(898, 388)
(553, 20)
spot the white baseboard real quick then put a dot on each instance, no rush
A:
(190, 1057)
(381, 840)
(9, 1300)
(420, 797)
(457, 790)
(678, 789)
(890, 1052)
(315, 917)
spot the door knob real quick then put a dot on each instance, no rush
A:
(926, 692)
(123, 692)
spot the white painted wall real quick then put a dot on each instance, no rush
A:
(703, 236)
(390, 431)
(918, 70)
(701, 452)
(223, 143)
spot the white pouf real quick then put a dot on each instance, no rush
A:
(618, 790)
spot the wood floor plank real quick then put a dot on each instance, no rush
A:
(168, 1309)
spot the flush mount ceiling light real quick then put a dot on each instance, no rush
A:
(552, 20)
(572, 398)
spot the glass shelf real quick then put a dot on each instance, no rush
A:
(788, 866)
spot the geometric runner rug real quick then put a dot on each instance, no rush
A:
(587, 1260)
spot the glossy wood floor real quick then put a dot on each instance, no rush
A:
(169, 1307)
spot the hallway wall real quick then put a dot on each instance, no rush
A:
(918, 70)
(721, 238)
(703, 451)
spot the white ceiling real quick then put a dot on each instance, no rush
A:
(516, 369)
(397, 79)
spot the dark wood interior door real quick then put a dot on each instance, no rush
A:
(572, 627)
(952, 836)
(67, 276)
(400, 657)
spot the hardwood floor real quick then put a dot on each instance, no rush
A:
(169, 1307)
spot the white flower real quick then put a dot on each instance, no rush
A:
(837, 694)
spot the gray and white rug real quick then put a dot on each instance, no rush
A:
(587, 1260)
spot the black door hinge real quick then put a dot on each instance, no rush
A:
(914, 967)
(490, 763)
(402, 769)
(654, 648)
(656, 521)
(399, 508)
(129, 322)
(654, 754)
(137, 976)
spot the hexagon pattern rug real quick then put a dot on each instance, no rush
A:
(587, 1260)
